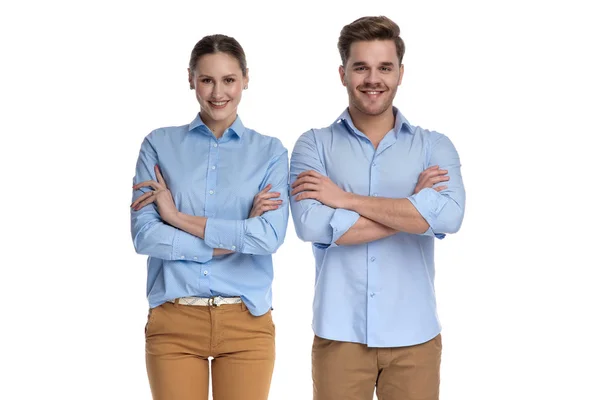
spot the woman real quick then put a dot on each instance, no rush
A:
(210, 207)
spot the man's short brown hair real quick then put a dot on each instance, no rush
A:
(367, 29)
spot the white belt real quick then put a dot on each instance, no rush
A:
(208, 301)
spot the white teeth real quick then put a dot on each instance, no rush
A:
(218, 103)
(373, 92)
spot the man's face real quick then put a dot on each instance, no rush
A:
(372, 76)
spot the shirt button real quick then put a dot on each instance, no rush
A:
(372, 294)
(211, 191)
(205, 272)
(373, 259)
(213, 167)
(232, 247)
(195, 258)
(182, 257)
(215, 145)
(374, 164)
(374, 194)
(221, 245)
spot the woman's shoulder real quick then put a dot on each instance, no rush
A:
(272, 143)
(167, 132)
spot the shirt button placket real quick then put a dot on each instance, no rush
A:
(211, 183)
(373, 177)
(371, 258)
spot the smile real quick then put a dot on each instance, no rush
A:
(218, 104)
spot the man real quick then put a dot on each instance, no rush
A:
(371, 193)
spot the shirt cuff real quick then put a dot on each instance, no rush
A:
(341, 221)
(429, 203)
(224, 234)
(191, 248)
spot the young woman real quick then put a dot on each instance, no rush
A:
(210, 206)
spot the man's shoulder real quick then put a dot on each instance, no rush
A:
(427, 135)
(320, 134)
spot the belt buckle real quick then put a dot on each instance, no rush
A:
(214, 301)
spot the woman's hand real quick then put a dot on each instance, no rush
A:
(262, 202)
(161, 195)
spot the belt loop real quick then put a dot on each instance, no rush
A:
(176, 302)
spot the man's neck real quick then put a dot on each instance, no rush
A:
(375, 127)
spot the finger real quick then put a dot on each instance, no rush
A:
(440, 188)
(159, 176)
(269, 207)
(433, 167)
(305, 179)
(265, 190)
(429, 176)
(141, 198)
(433, 172)
(297, 182)
(152, 184)
(310, 173)
(306, 195)
(305, 187)
(144, 184)
(438, 172)
(270, 195)
(144, 203)
(270, 203)
(438, 179)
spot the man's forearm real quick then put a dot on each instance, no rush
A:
(365, 231)
(398, 214)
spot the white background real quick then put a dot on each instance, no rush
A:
(513, 84)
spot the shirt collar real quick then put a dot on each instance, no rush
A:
(237, 127)
(400, 122)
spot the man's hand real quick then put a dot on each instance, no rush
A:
(430, 177)
(312, 185)
(262, 202)
(161, 195)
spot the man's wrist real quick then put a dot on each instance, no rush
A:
(349, 201)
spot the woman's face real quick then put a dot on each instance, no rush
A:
(218, 82)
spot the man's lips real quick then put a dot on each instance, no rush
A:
(371, 90)
(372, 93)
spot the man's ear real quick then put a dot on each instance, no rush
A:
(342, 75)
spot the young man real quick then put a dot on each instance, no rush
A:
(371, 192)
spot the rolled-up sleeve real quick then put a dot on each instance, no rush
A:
(261, 235)
(313, 221)
(151, 236)
(443, 211)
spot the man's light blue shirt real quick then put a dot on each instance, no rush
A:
(217, 179)
(380, 293)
